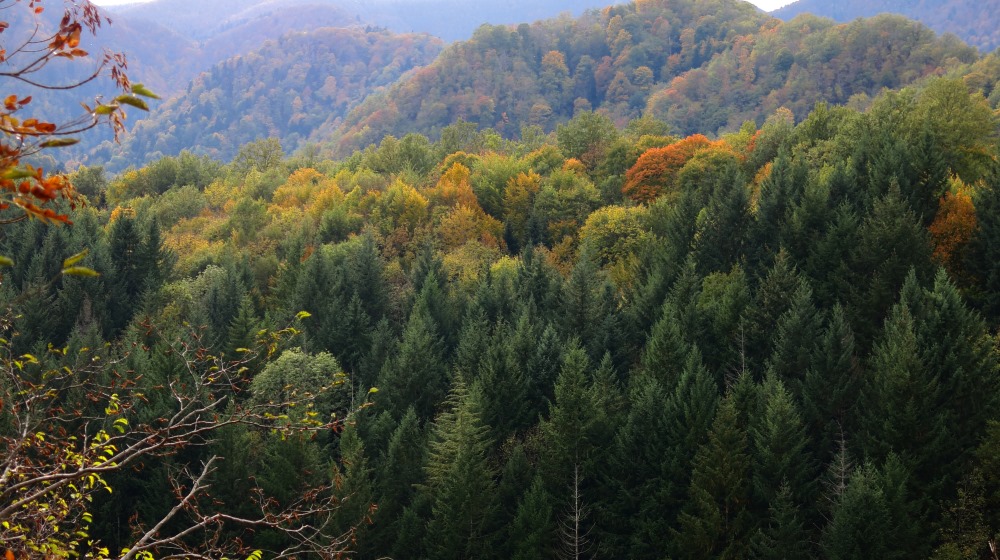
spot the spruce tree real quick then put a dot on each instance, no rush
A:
(532, 534)
(416, 375)
(780, 450)
(459, 481)
(783, 535)
(715, 521)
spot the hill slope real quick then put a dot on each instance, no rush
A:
(975, 22)
(450, 20)
(701, 66)
(292, 89)
(541, 73)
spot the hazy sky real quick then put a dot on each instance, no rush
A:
(767, 5)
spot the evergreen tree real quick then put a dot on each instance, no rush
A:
(532, 533)
(416, 375)
(780, 450)
(715, 521)
(459, 481)
(399, 470)
(832, 386)
(798, 330)
(783, 535)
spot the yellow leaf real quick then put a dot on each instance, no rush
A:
(75, 258)
(80, 271)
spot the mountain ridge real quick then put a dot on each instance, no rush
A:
(977, 23)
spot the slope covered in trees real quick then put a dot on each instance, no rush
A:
(699, 66)
(450, 20)
(295, 89)
(777, 343)
(974, 22)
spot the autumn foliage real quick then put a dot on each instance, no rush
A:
(952, 228)
(23, 186)
(653, 174)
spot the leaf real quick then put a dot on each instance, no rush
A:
(80, 271)
(133, 101)
(6, 261)
(303, 315)
(105, 109)
(373, 390)
(75, 258)
(18, 173)
(58, 143)
(142, 90)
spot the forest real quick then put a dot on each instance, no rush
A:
(603, 337)
(599, 342)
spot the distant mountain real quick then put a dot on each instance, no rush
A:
(296, 88)
(451, 20)
(976, 22)
(700, 65)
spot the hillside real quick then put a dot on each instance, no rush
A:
(295, 88)
(540, 74)
(700, 66)
(798, 63)
(975, 22)
(450, 20)
(784, 347)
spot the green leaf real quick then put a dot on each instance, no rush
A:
(59, 143)
(133, 101)
(373, 390)
(105, 109)
(18, 173)
(80, 271)
(75, 258)
(142, 90)
(6, 261)
(303, 315)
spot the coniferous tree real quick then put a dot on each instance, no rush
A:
(400, 468)
(459, 481)
(532, 532)
(416, 375)
(798, 330)
(783, 535)
(832, 386)
(715, 521)
(780, 450)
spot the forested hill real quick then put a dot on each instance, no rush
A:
(702, 66)
(975, 21)
(448, 19)
(296, 88)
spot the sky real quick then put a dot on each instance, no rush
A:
(766, 5)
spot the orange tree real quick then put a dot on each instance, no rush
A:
(24, 188)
